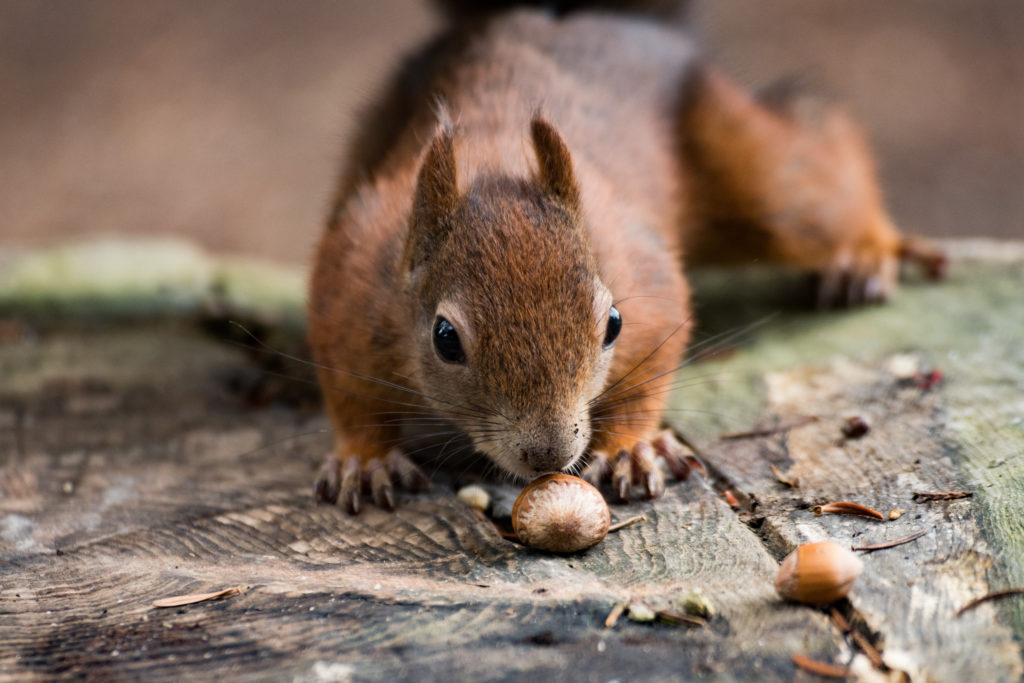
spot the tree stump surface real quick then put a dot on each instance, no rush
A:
(142, 456)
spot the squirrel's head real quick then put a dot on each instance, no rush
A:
(514, 330)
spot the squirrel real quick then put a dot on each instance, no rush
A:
(504, 260)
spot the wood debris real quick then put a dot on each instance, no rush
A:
(627, 522)
(929, 380)
(640, 611)
(859, 639)
(613, 616)
(781, 478)
(855, 427)
(768, 431)
(892, 544)
(821, 668)
(696, 604)
(848, 508)
(193, 598)
(676, 617)
(870, 650)
(990, 596)
(926, 496)
(839, 620)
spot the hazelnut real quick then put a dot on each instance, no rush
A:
(560, 513)
(818, 573)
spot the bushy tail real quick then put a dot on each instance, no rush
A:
(669, 10)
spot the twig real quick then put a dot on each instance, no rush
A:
(192, 598)
(991, 596)
(840, 621)
(925, 496)
(848, 508)
(768, 431)
(820, 668)
(628, 522)
(870, 650)
(892, 544)
(613, 616)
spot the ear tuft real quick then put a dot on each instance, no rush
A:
(436, 191)
(554, 163)
(436, 198)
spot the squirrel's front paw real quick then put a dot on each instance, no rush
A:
(346, 480)
(638, 466)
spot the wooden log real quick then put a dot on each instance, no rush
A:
(132, 470)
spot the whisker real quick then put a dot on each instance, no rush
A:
(628, 395)
(640, 364)
(721, 338)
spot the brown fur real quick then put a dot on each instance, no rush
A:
(523, 228)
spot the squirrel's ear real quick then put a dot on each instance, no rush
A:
(554, 163)
(435, 200)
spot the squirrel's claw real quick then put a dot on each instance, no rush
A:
(681, 462)
(646, 470)
(626, 470)
(405, 472)
(351, 483)
(622, 476)
(598, 469)
(328, 480)
(380, 484)
(345, 481)
(854, 283)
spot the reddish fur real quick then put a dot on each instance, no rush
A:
(791, 184)
(638, 152)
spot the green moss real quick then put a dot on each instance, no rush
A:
(113, 278)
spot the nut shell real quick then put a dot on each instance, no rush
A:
(818, 573)
(560, 513)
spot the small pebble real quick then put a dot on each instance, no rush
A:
(904, 366)
(475, 497)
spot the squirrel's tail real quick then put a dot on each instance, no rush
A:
(668, 10)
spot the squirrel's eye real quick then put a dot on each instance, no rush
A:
(446, 342)
(614, 327)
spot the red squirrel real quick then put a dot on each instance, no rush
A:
(504, 259)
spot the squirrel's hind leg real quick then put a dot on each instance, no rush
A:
(787, 178)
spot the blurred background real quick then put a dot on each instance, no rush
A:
(222, 121)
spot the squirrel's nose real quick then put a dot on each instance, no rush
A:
(543, 460)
